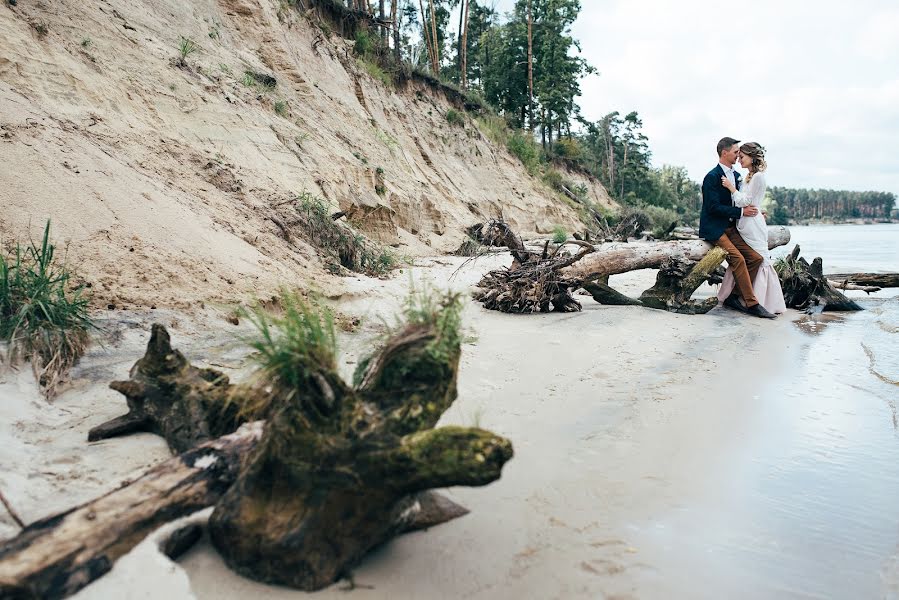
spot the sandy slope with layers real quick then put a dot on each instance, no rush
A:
(164, 179)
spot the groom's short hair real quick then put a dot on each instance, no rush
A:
(725, 143)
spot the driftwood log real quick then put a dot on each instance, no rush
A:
(613, 259)
(805, 286)
(334, 473)
(543, 282)
(168, 396)
(57, 556)
(880, 280)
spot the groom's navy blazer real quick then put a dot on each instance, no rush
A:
(718, 210)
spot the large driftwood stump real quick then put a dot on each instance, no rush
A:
(806, 287)
(335, 471)
(168, 396)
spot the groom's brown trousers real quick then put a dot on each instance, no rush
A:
(744, 261)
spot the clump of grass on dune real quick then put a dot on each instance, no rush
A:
(43, 314)
(342, 246)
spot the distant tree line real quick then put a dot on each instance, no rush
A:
(788, 204)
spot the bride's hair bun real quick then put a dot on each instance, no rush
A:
(756, 152)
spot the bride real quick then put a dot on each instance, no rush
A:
(754, 230)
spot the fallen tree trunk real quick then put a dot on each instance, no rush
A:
(613, 259)
(544, 283)
(56, 556)
(881, 280)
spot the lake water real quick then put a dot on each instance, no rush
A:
(849, 248)
(808, 507)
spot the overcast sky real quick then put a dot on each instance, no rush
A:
(816, 83)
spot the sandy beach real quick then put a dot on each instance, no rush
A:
(656, 455)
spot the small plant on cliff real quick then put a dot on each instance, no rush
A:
(523, 146)
(342, 246)
(281, 108)
(455, 118)
(43, 314)
(186, 47)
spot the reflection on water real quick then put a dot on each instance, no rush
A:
(814, 324)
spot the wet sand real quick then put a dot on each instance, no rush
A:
(656, 456)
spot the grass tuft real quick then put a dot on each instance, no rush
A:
(186, 47)
(426, 308)
(344, 247)
(560, 236)
(290, 346)
(455, 118)
(43, 314)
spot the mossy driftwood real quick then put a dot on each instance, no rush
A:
(168, 396)
(339, 468)
(544, 282)
(806, 287)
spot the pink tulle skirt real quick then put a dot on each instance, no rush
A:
(766, 288)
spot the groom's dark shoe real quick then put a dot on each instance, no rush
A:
(760, 311)
(733, 301)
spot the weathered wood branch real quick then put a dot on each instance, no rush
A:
(881, 280)
(57, 556)
(845, 285)
(168, 396)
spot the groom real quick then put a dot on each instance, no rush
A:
(718, 225)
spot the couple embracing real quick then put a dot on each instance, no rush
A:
(731, 219)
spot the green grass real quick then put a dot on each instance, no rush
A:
(560, 236)
(43, 314)
(523, 147)
(281, 108)
(426, 307)
(455, 118)
(290, 346)
(186, 47)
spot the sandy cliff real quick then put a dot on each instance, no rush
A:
(164, 178)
